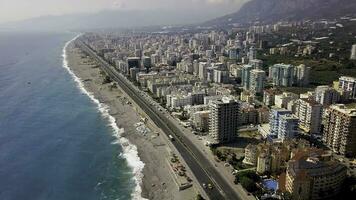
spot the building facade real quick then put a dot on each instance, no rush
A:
(282, 75)
(312, 174)
(348, 86)
(353, 52)
(257, 81)
(288, 127)
(223, 120)
(309, 113)
(340, 129)
(326, 95)
(274, 120)
(245, 76)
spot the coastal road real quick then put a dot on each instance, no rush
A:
(203, 170)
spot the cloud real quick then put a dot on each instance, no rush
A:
(225, 1)
(119, 4)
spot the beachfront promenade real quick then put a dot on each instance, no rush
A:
(204, 171)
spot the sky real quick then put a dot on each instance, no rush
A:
(14, 10)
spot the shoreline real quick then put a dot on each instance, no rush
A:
(153, 177)
(129, 151)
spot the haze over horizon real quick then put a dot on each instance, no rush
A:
(17, 10)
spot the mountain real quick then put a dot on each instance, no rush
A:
(109, 19)
(275, 10)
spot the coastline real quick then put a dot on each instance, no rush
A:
(129, 151)
(145, 154)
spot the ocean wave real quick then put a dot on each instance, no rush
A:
(130, 152)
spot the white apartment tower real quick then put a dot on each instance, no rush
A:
(348, 85)
(282, 75)
(203, 73)
(326, 95)
(245, 76)
(252, 53)
(309, 113)
(257, 81)
(302, 75)
(274, 120)
(353, 52)
(287, 127)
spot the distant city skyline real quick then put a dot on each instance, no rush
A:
(16, 10)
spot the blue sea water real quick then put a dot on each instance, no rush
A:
(54, 144)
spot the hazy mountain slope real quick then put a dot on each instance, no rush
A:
(272, 10)
(109, 19)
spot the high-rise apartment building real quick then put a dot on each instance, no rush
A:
(353, 52)
(309, 113)
(257, 81)
(326, 95)
(221, 76)
(340, 129)
(348, 86)
(223, 120)
(312, 174)
(252, 53)
(245, 76)
(282, 75)
(287, 127)
(256, 63)
(203, 71)
(274, 120)
(302, 74)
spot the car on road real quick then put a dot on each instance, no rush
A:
(210, 186)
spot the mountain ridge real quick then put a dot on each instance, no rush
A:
(276, 10)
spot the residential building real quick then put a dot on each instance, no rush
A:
(312, 174)
(269, 96)
(233, 53)
(203, 73)
(257, 81)
(340, 129)
(326, 95)
(248, 115)
(133, 62)
(263, 163)
(282, 75)
(221, 76)
(146, 63)
(309, 113)
(201, 120)
(353, 52)
(302, 75)
(252, 53)
(256, 63)
(274, 120)
(281, 100)
(178, 101)
(208, 99)
(245, 78)
(223, 120)
(288, 127)
(274, 155)
(348, 86)
(250, 155)
(270, 157)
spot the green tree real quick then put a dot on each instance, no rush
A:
(248, 184)
(199, 197)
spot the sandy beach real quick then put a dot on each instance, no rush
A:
(153, 150)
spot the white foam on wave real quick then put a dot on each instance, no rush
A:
(130, 152)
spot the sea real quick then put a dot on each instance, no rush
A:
(57, 142)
